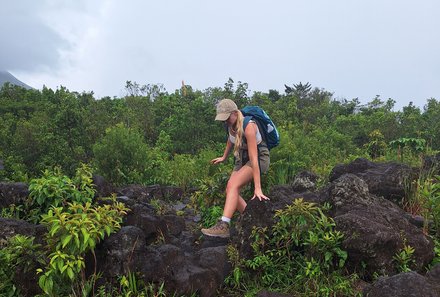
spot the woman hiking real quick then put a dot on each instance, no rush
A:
(251, 160)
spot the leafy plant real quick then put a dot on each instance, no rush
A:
(376, 146)
(72, 233)
(436, 259)
(300, 254)
(404, 258)
(13, 211)
(122, 155)
(159, 206)
(423, 198)
(56, 189)
(416, 146)
(210, 215)
(434, 205)
(130, 285)
(210, 190)
(19, 255)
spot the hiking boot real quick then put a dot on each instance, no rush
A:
(221, 229)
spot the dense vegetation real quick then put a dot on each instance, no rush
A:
(129, 139)
(151, 136)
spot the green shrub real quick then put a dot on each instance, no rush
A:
(210, 215)
(301, 254)
(56, 189)
(376, 146)
(71, 233)
(20, 253)
(121, 156)
(404, 258)
(436, 259)
(423, 198)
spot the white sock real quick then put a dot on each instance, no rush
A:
(225, 219)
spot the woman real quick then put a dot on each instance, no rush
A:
(251, 159)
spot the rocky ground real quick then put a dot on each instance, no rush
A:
(168, 245)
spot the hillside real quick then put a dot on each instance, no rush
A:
(5, 77)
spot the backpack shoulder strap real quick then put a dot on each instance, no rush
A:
(246, 121)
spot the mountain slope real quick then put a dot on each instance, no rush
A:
(7, 77)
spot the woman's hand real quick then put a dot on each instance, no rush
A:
(259, 194)
(217, 160)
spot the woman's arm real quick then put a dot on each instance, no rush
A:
(251, 138)
(225, 153)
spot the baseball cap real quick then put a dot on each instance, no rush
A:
(224, 109)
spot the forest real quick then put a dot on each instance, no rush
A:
(146, 136)
(154, 137)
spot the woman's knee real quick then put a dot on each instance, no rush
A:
(232, 186)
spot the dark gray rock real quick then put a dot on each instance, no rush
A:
(191, 278)
(171, 193)
(210, 241)
(12, 227)
(434, 274)
(214, 259)
(118, 253)
(282, 195)
(13, 193)
(257, 214)
(103, 188)
(165, 247)
(146, 193)
(183, 275)
(375, 229)
(304, 181)
(388, 180)
(154, 226)
(409, 284)
(137, 192)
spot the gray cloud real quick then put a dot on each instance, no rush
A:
(28, 43)
(350, 48)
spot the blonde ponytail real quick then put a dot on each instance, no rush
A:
(239, 135)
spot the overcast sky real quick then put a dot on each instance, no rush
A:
(350, 48)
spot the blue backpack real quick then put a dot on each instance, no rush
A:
(267, 128)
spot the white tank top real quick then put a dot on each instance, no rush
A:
(258, 135)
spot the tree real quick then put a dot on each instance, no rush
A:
(122, 155)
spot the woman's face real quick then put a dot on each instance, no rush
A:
(232, 119)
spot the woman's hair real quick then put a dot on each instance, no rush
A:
(239, 130)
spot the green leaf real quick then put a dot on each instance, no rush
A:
(54, 229)
(65, 241)
(77, 242)
(108, 230)
(92, 242)
(85, 234)
(60, 264)
(70, 273)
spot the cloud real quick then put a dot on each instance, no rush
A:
(27, 42)
(40, 35)
(351, 49)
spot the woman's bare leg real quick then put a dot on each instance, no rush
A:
(233, 199)
(241, 205)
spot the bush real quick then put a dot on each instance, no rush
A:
(300, 255)
(72, 232)
(121, 156)
(19, 254)
(56, 189)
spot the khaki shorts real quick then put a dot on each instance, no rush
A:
(263, 159)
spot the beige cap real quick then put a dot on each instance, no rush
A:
(224, 109)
